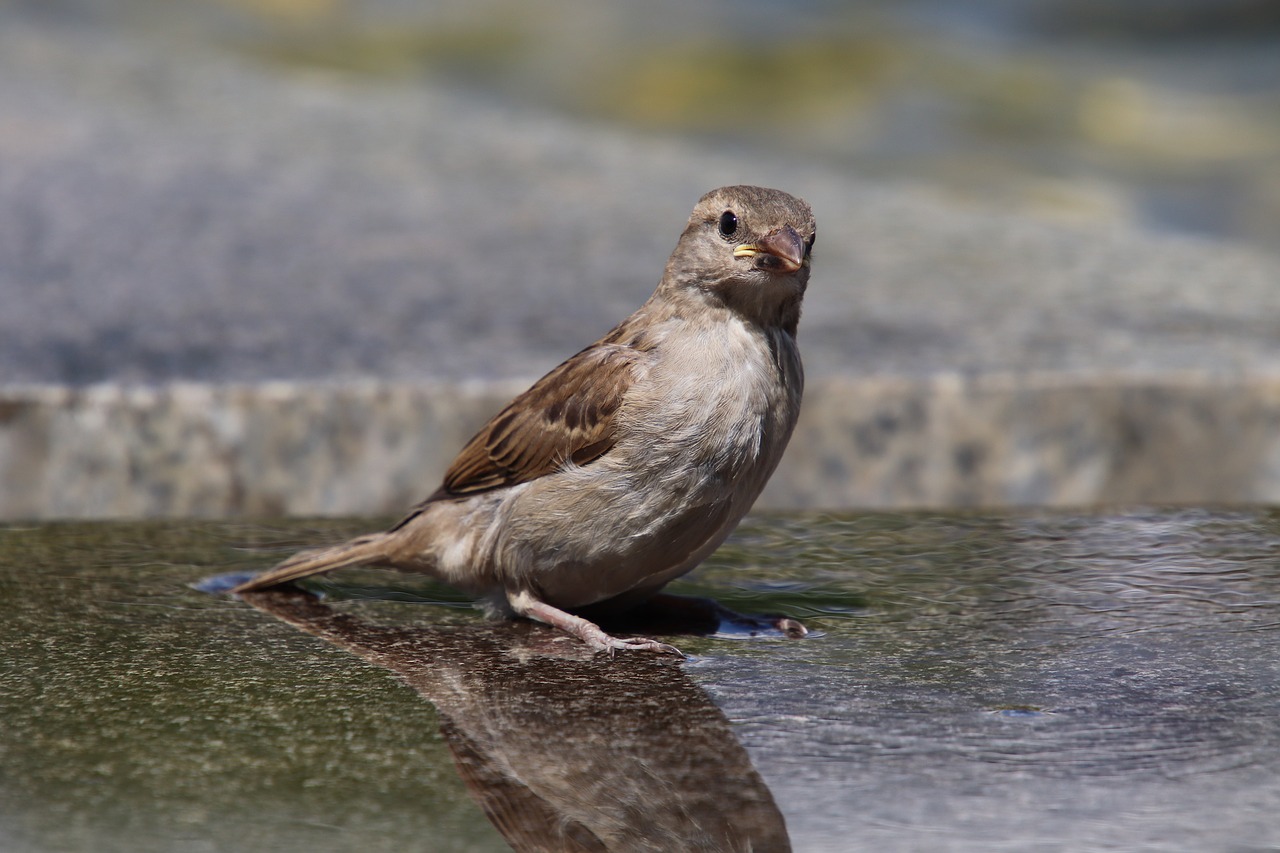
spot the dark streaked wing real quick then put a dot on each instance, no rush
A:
(568, 415)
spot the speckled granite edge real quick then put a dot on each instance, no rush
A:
(863, 442)
(1039, 439)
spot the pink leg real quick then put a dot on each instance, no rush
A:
(524, 604)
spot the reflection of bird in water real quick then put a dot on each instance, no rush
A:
(563, 752)
(626, 466)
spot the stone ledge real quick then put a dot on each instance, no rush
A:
(1038, 439)
(863, 442)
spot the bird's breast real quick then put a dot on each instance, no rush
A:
(703, 425)
(723, 397)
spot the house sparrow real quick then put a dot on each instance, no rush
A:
(627, 465)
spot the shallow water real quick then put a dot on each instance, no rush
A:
(974, 682)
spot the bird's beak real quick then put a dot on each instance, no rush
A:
(777, 251)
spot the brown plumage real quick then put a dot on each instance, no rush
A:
(629, 463)
(566, 416)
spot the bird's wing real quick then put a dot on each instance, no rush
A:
(567, 416)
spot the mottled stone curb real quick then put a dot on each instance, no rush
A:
(375, 448)
(1035, 439)
(212, 450)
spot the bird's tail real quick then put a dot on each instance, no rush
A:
(365, 549)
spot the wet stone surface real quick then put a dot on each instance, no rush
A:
(1028, 681)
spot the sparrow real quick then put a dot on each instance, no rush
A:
(631, 462)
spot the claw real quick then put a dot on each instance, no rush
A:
(792, 629)
(610, 644)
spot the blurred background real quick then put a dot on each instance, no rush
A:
(1160, 112)
(266, 257)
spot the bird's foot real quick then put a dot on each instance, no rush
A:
(728, 622)
(735, 624)
(792, 629)
(585, 630)
(599, 641)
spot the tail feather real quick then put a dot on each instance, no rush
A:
(366, 549)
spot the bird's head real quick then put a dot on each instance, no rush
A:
(750, 248)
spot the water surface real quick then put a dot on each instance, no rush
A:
(1018, 681)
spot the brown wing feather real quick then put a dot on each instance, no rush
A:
(566, 416)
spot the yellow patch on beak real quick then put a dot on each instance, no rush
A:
(779, 251)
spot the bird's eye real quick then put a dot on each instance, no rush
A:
(808, 244)
(728, 223)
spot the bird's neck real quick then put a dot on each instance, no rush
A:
(771, 305)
